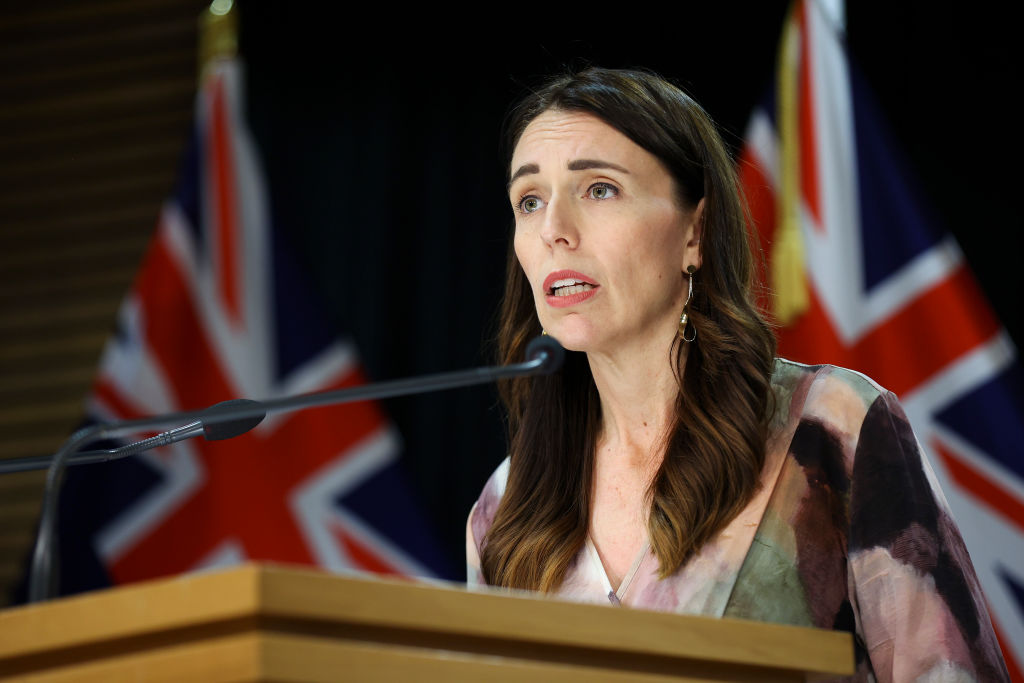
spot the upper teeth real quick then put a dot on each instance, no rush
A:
(567, 283)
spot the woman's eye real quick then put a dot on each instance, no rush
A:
(602, 191)
(529, 204)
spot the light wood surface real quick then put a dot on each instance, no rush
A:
(290, 658)
(257, 623)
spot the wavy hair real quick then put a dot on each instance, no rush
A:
(716, 448)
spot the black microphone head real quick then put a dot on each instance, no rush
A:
(216, 429)
(547, 348)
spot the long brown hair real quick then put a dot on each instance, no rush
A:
(716, 448)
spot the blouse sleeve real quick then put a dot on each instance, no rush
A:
(480, 518)
(474, 577)
(916, 598)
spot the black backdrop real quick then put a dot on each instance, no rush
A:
(382, 146)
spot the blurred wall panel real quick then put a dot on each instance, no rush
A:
(95, 104)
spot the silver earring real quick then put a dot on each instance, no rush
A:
(684, 319)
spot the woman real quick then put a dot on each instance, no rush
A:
(674, 464)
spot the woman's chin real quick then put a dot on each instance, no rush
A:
(572, 340)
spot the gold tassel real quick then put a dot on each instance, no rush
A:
(788, 274)
(789, 280)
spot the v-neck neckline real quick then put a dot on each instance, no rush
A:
(773, 504)
(615, 596)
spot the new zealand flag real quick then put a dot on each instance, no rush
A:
(220, 310)
(885, 291)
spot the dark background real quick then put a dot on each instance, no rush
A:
(382, 147)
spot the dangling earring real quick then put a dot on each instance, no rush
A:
(684, 319)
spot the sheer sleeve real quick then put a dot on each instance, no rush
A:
(916, 599)
(480, 518)
(474, 577)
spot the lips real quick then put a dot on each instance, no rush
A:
(564, 288)
(566, 278)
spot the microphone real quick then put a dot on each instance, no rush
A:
(550, 353)
(544, 355)
(210, 425)
(218, 424)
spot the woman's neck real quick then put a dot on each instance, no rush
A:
(638, 392)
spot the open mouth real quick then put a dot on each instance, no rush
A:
(568, 287)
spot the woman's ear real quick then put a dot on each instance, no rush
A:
(694, 232)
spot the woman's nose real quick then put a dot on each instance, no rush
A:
(560, 225)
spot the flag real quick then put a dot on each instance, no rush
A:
(864, 277)
(219, 310)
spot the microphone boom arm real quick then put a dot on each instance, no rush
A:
(544, 356)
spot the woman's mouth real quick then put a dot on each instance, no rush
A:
(569, 287)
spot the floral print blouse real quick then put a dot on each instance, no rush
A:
(849, 530)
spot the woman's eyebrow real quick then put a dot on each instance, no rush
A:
(574, 165)
(584, 164)
(525, 169)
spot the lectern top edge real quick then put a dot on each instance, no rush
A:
(317, 600)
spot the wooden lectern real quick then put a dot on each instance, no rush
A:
(265, 623)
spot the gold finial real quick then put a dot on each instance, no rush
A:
(218, 34)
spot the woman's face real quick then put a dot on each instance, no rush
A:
(600, 234)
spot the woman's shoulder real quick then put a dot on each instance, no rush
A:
(835, 415)
(790, 376)
(827, 393)
(482, 515)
